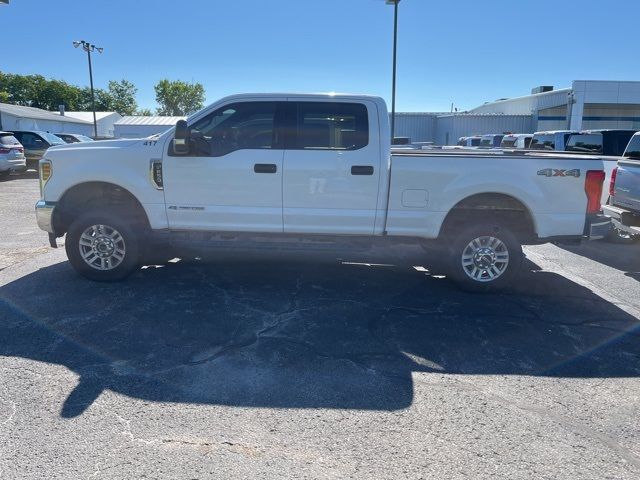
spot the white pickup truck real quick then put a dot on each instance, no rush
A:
(296, 167)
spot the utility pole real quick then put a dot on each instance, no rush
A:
(88, 47)
(395, 52)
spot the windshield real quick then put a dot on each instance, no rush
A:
(585, 142)
(82, 138)
(509, 142)
(52, 139)
(633, 150)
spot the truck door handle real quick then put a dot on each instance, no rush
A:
(362, 170)
(265, 168)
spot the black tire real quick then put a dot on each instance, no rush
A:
(129, 244)
(620, 237)
(504, 272)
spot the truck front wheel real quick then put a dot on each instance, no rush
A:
(483, 259)
(102, 246)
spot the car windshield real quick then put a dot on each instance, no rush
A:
(633, 150)
(83, 138)
(52, 139)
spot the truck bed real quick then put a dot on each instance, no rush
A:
(426, 185)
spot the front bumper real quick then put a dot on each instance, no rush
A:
(44, 215)
(623, 219)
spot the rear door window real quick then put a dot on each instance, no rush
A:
(30, 140)
(331, 126)
(543, 142)
(587, 142)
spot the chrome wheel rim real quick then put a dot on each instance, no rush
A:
(623, 235)
(102, 247)
(485, 259)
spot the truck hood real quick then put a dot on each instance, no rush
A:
(99, 144)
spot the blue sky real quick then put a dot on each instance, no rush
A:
(461, 51)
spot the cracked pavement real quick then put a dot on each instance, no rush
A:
(272, 368)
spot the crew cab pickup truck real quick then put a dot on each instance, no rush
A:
(624, 192)
(292, 168)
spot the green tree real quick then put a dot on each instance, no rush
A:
(144, 112)
(123, 97)
(179, 98)
(49, 94)
(37, 91)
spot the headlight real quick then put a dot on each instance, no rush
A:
(46, 170)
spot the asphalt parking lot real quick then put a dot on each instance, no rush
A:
(299, 369)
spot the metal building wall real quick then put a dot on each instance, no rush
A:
(420, 127)
(12, 122)
(451, 127)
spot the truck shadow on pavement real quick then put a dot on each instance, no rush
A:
(302, 335)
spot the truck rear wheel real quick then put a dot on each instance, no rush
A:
(102, 246)
(484, 258)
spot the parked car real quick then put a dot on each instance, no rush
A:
(35, 143)
(472, 141)
(491, 140)
(308, 172)
(624, 194)
(73, 137)
(12, 157)
(553, 140)
(516, 140)
(610, 144)
(601, 142)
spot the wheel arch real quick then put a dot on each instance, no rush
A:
(84, 196)
(504, 209)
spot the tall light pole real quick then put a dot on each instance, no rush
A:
(88, 47)
(395, 50)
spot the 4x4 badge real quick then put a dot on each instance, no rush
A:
(555, 172)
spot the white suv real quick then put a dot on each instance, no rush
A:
(12, 157)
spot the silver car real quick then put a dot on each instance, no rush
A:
(12, 157)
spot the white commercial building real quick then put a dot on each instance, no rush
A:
(139, 126)
(588, 104)
(104, 121)
(17, 117)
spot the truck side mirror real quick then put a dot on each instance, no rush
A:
(181, 138)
